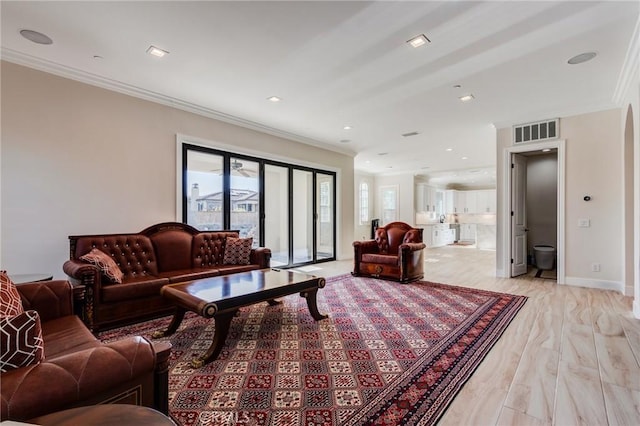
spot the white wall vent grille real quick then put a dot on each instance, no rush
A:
(536, 132)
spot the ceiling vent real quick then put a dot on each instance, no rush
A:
(536, 132)
(406, 135)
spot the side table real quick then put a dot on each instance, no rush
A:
(30, 278)
(105, 415)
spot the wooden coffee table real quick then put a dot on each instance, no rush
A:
(221, 297)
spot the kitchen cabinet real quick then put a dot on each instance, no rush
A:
(438, 235)
(468, 232)
(486, 201)
(471, 202)
(429, 199)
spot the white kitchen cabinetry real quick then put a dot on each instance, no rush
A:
(429, 199)
(468, 232)
(471, 202)
(486, 201)
(438, 235)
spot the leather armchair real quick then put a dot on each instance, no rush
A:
(396, 253)
(78, 369)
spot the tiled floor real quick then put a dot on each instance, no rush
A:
(571, 356)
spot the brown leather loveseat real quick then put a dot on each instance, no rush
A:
(162, 254)
(396, 253)
(77, 369)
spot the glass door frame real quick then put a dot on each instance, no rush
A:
(226, 187)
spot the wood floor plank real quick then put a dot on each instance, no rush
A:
(578, 345)
(618, 365)
(623, 406)
(511, 417)
(534, 386)
(579, 398)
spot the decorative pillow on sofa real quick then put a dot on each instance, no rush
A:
(10, 302)
(106, 264)
(237, 251)
(21, 341)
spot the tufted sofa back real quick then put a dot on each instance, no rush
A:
(133, 253)
(208, 248)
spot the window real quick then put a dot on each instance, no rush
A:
(364, 203)
(389, 203)
(325, 203)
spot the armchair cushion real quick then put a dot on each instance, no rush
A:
(106, 264)
(10, 303)
(21, 343)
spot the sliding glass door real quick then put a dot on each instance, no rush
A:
(289, 209)
(325, 205)
(276, 208)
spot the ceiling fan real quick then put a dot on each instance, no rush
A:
(237, 166)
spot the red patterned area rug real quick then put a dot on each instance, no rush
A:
(389, 354)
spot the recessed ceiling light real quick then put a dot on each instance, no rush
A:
(466, 98)
(425, 167)
(382, 153)
(36, 37)
(419, 40)
(345, 140)
(389, 167)
(583, 57)
(274, 99)
(410, 134)
(465, 158)
(457, 86)
(347, 127)
(449, 149)
(368, 162)
(97, 57)
(155, 51)
(546, 150)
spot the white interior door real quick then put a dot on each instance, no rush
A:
(518, 215)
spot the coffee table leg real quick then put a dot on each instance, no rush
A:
(178, 316)
(223, 323)
(312, 303)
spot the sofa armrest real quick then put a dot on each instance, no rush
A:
(83, 272)
(411, 247)
(366, 246)
(52, 299)
(66, 381)
(261, 256)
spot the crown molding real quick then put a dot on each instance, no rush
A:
(629, 72)
(60, 70)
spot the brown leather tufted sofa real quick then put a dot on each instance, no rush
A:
(78, 369)
(162, 254)
(396, 253)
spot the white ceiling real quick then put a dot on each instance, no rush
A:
(339, 63)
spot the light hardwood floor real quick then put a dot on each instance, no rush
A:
(570, 357)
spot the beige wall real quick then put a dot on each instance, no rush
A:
(78, 159)
(594, 147)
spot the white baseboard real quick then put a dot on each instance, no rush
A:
(599, 284)
(636, 308)
(501, 274)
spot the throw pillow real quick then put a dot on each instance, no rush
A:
(237, 251)
(106, 264)
(21, 341)
(10, 302)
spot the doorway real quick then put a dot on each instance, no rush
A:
(516, 206)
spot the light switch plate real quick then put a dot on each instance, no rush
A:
(584, 223)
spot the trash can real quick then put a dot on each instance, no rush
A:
(545, 256)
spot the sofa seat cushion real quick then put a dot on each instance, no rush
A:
(66, 335)
(189, 274)
(384, 259)
(234, 269)
(133, 288)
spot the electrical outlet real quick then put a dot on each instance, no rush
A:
(584, 223)
(595, 267)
